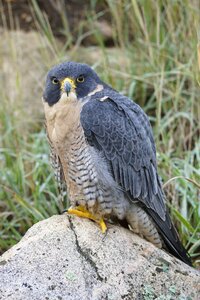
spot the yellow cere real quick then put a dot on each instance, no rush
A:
(71, 81)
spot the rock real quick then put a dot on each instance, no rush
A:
(69, 258)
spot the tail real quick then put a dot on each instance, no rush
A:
(170, 236)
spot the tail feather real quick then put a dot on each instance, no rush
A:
(170, 236)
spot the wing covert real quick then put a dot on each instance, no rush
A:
(121, 131)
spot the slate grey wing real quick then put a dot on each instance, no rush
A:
(120, 130)
(123, 141)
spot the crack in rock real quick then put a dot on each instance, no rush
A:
(84, 254)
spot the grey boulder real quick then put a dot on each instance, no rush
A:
(69, 258)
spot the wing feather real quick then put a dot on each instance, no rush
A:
(121, 131)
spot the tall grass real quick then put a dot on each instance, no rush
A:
(153, 61)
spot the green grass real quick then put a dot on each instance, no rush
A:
(154, 62)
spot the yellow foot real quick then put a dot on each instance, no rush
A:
(102, 225)
(82, 212)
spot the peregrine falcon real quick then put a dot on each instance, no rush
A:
(102, 149)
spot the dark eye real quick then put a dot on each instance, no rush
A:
(80, 78)
(54, 80)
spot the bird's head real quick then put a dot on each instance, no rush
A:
(70, 78)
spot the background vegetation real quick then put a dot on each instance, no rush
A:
(144, 49)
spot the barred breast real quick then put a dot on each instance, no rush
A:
(67, 137)
(82, 177)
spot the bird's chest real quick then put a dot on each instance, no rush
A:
(67, 138)
(62, 121)
(79, 171)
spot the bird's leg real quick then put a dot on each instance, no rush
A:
(82, 212)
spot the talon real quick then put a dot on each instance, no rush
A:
(82, 212)
(102, 225)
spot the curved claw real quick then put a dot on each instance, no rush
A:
(82, 212)
(103, 225)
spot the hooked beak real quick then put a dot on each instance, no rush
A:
(68, 86)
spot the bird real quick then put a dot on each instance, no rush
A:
(103, 152)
